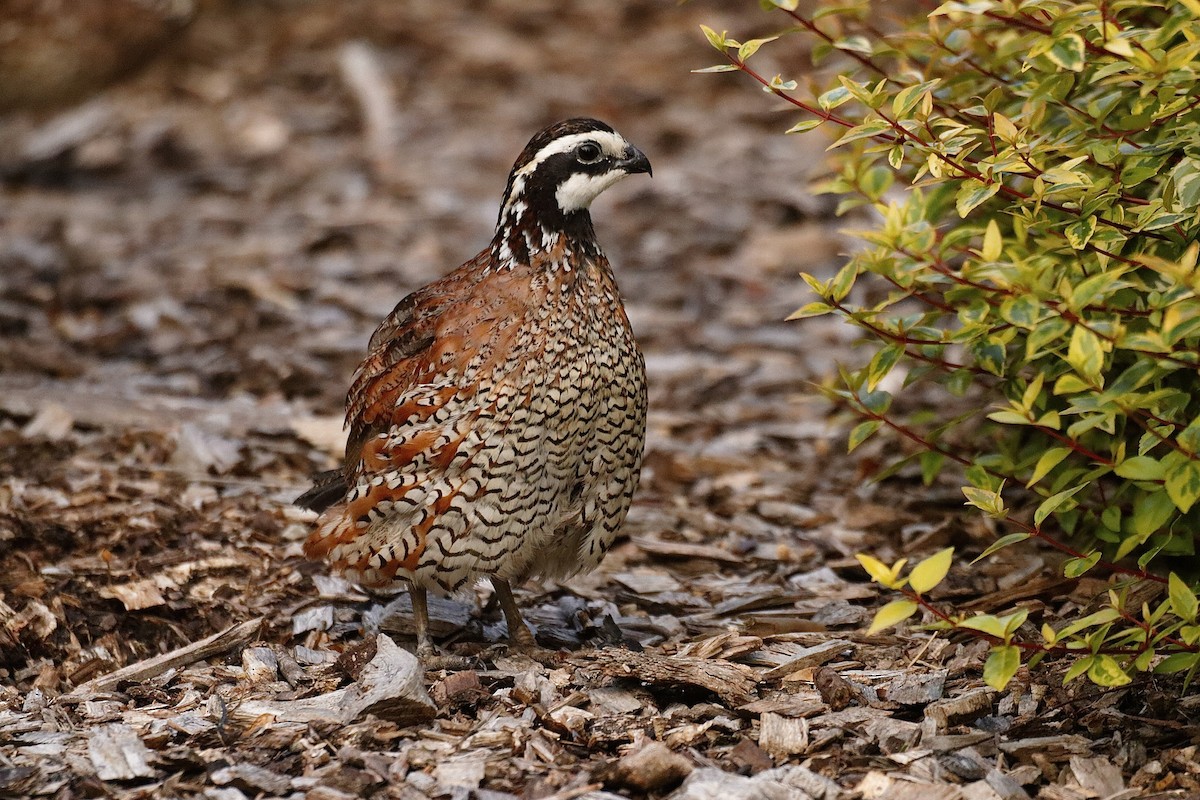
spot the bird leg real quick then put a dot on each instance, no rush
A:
(518, 631)
(420, 610)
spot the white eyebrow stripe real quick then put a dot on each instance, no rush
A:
(612, 144)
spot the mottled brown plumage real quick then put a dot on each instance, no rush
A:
(498, 421)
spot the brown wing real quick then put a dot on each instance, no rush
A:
(429, 361)
(445, 335)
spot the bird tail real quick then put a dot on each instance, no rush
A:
(328, 488)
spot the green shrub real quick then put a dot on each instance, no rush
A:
(1035, 169)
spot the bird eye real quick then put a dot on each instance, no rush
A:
(588, 152)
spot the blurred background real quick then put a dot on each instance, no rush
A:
(206, 206)
(222, 197)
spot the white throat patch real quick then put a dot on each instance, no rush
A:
(578, 191)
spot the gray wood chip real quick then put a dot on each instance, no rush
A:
(783, 736)
(810, 657)
(118, 754)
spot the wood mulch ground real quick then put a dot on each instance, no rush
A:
(190, 265)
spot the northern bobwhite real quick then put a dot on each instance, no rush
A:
(497, 424)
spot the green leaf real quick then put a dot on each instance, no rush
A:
(1085, 353)
(834, 98)
(1022, 311)
(1150, 513)
(1141, 468)
(1009, 417)
(751, 47)
(1048, 461)
(1002, 664)
(868, 129)
(1189, 437)
(1184, 602)
(1074, 567)
(1101, 617)
(862, 431)
(893, 613)
(814, 309)
(717, 40)
(882, 363)
(1068, 52)
(1080, 233)
(1078, 668)
(906, 99)
(1055, 502)
(1177, 662)
(987, 501)
(1183, 485)
(856, 43)
(993, 244)
(931, 465)
(805, 125)
(972, 194)
(985, 623)
(930, 572)
(1001, 543)
(843, 282)
(717, 68)
(1105, 671)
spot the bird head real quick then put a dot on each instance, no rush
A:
(562, 170)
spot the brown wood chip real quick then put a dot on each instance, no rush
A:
(734, 683)
(228, 639)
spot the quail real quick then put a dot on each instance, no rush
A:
(497, 423)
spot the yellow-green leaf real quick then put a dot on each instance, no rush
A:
(751, 47)
(1002, 664)
(1141, 468)
(1055, 502)
(717, 40)
(1105, 671)
(1183, 485)
(862, 431)
(985, 623)
(893, 613)
(1177, 662)
(992, 242)
(1085, 353)
(987, 501)
(1080, 232)
(1067, 52)
(1183, 600)
(803, 125)
(1150, 514)
(1004, 128)
(880, 573)
(1049, 460)
(929, 572)
(1001, 543)
(972, 194)
(1074, 567)
(1078, 668)
(814, 309)
(907, 99)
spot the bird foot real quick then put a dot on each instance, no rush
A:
(524, 646)
(433, 661)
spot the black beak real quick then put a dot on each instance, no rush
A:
(635, 161)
